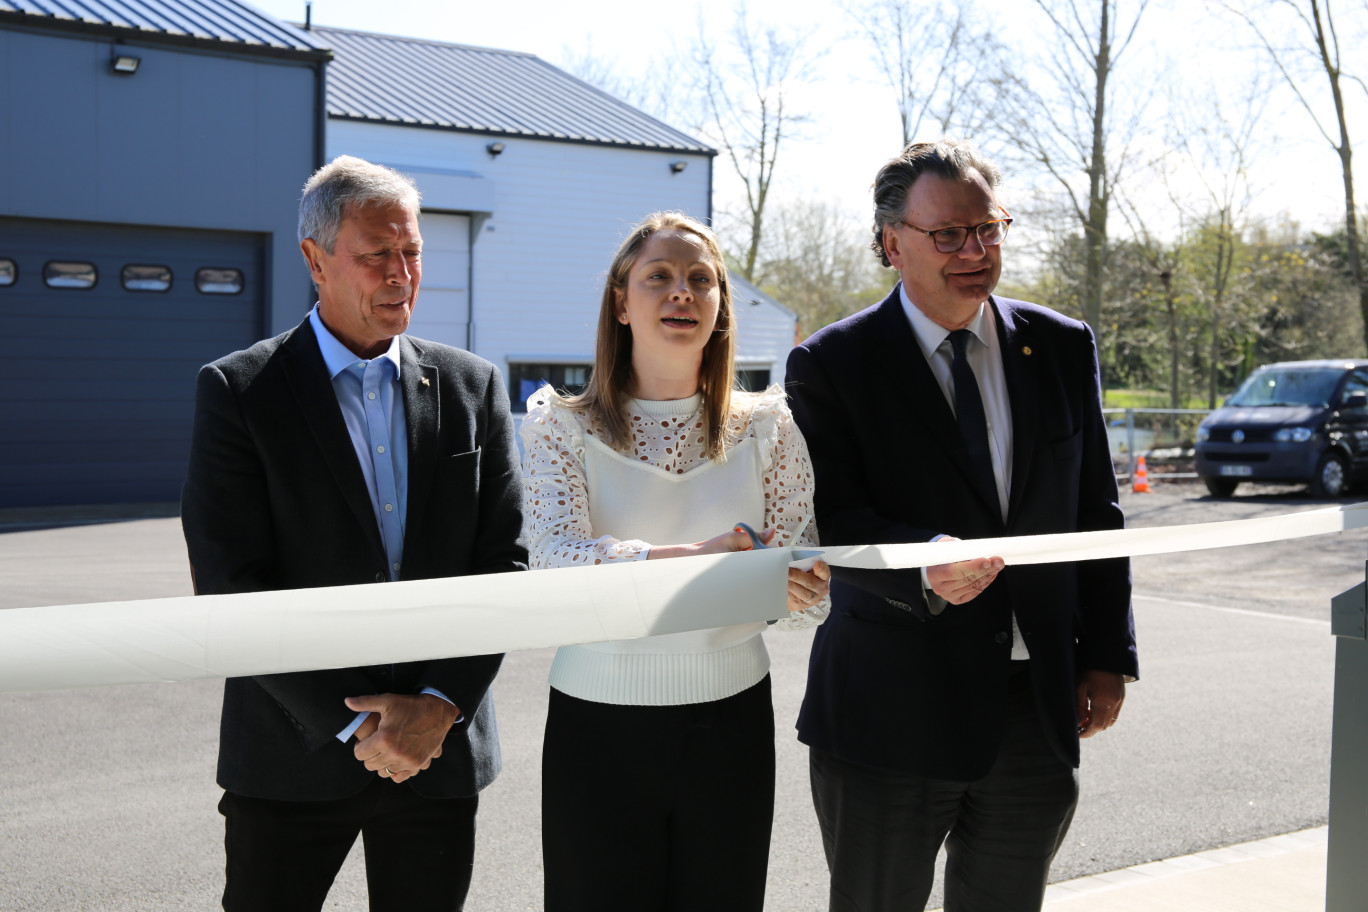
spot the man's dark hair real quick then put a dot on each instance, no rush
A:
(955, 159)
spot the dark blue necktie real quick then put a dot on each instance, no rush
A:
(969, 413)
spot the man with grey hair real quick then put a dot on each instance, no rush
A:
(340, 452)
(945, 705)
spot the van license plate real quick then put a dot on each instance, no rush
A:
(1237, 470)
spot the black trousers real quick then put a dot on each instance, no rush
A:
(881, 830)
(284, 855)
(666, 808)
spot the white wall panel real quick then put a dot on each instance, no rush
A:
(444, 294)
(560, 212)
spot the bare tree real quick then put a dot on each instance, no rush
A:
(1062, 118)
(655, 91)
(745, 90)
(941, 67)
(1320, 42)
(815, 260)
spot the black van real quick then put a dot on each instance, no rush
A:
(1295, 421)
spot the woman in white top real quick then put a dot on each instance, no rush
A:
(658, 767)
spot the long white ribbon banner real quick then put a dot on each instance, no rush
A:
(180, 639)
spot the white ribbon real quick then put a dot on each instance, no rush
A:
(215, 636)
(180, 639)
(1077, 546)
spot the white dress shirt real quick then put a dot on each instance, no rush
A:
(985, 357)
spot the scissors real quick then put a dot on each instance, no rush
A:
(803, 558)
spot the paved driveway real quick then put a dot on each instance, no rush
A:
(107, 799)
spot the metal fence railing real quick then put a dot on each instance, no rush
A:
(1165, 437)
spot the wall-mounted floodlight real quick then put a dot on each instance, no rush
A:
(124, 64)
(495, 149)
(676, 167)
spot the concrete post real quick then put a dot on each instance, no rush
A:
(1346, 874)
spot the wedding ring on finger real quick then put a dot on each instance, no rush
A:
(387, 771)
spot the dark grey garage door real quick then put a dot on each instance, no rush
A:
(104, 329)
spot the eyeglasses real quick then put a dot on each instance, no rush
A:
(951, 240)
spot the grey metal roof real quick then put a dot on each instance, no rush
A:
(481, 90)
(222, 24)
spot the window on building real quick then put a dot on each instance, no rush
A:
(752, 379)
(146, 278)
(525, 378)
(9, 272)
(69, 274)
(214, 280)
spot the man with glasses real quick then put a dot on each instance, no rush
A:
(946, 704)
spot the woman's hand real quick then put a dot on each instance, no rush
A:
(725, 543)
(808, 587)
(805, 587)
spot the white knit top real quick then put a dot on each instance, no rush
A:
(587, 503)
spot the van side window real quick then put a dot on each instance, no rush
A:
(1357, 382)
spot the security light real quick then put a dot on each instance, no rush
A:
(124, 64)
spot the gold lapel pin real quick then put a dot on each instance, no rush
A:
(425, 382)
(1025, 350)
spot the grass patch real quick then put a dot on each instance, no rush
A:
(1143, 398)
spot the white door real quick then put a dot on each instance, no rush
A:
(444, 296)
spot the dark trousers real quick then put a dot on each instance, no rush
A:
(284, 855)
(881, 830)
(658, 808)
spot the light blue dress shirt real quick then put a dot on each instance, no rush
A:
(372, 403)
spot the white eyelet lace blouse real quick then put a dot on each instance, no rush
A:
(586, 503)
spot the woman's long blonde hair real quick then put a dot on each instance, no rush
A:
(604, 400)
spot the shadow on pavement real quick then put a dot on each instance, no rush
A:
(28, 519)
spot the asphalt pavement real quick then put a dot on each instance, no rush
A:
(107, 798)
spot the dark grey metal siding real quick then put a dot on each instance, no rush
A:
(205, 23)
(193, 140)
(97, 386)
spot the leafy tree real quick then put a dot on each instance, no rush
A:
(1312, 66)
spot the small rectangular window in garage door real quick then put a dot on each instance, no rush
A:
(145, 278)
(212, 280)
(8, 272)
(69, 274)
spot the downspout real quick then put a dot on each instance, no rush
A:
(711, 159)
(320, 139)
(471, 228)
(320, 114)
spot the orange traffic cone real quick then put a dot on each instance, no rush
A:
(1140, 483)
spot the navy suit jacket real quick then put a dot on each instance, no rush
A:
(275, 499)
(891, 685)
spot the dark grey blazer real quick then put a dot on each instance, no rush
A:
(275, 499)
(890, 685)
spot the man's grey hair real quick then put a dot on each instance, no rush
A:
(344, 182)
(955, 159)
